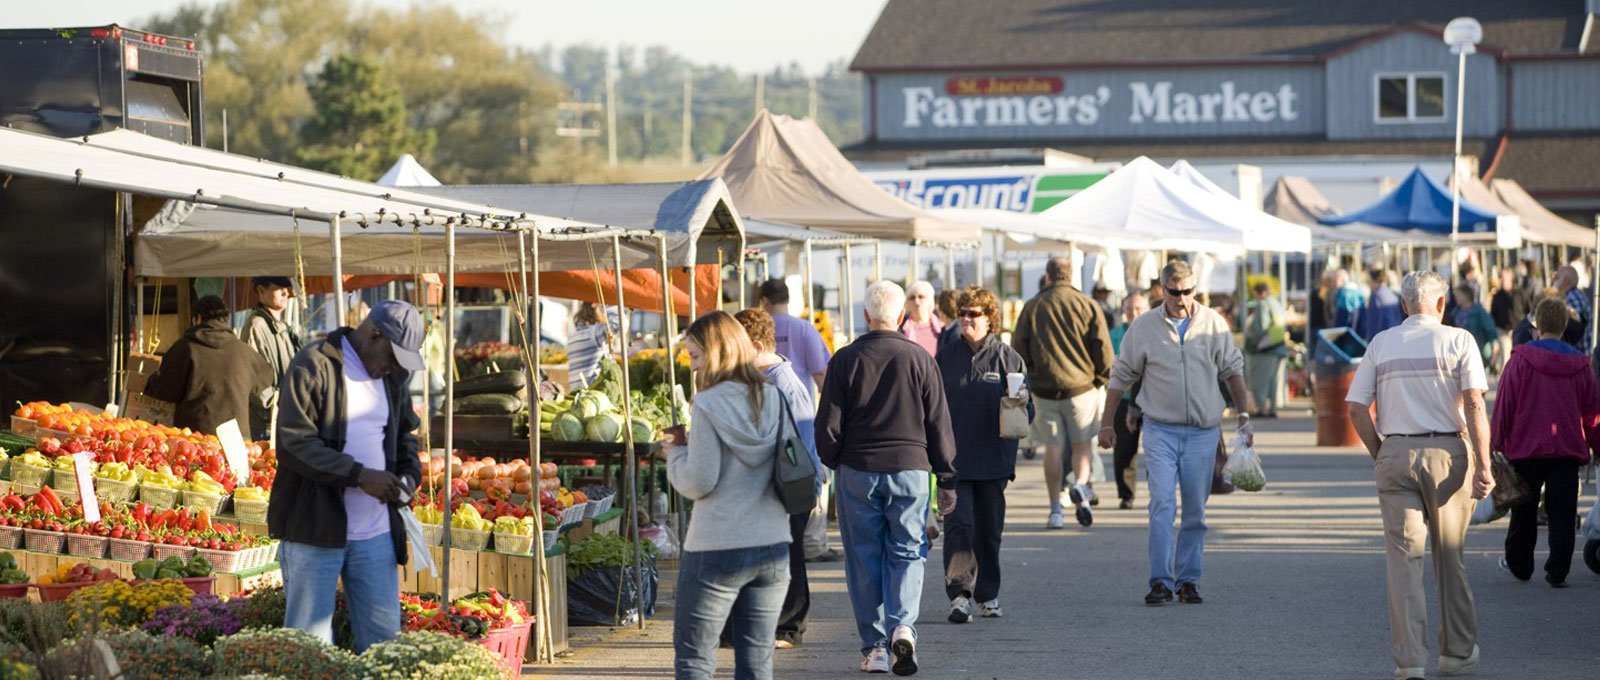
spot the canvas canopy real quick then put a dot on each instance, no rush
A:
(1143, 198)
(407, 172)
(1295, 199)
(786, 170)
(1538, 224)
(1420, 202)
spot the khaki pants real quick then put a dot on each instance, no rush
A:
(1424, 489)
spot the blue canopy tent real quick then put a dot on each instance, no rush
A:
(1420, 202)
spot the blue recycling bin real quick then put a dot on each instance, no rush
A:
(1339, 352)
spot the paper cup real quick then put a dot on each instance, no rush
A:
(1013, 384)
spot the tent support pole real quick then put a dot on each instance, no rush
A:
(742, 285)
(670, 328)
(1594, 319)
(847, 305)
(541, 580)
(630, 464)
(138, 313)
(1283, 279)
(949, 268)
(911, 269)
(877, 262)
(808, 296)
(338, 272)
(449, 395)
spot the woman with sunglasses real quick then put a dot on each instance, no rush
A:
(974, 368)
(736, 553)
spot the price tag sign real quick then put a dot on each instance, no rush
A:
(233, 450)
(91, 503)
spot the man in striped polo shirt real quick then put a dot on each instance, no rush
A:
(1427, 382)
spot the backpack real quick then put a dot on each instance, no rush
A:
(794, 476)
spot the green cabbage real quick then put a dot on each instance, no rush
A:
(606, 427)
(588, 404)
(567, 428)
(643, 430)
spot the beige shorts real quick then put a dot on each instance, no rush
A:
(1060, 422)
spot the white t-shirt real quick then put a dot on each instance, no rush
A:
(366, 402)
(1416, 371)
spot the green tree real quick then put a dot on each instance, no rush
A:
(359, 127)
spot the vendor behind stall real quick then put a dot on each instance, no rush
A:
(210, 374)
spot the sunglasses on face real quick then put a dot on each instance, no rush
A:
(971, 314)
(1179, 292)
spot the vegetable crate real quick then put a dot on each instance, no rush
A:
(510, 644)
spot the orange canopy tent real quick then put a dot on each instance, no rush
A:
(641, 286)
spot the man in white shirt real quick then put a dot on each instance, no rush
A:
(1427, 382)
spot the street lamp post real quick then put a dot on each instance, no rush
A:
(1462, 34)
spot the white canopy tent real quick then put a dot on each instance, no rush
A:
(407, 172)
(1143, 198)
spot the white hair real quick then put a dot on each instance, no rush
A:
(1422, 289)
(920, 287)
(885, 301)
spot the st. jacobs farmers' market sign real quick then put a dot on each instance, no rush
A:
(1039, 101)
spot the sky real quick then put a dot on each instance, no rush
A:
(748, 35)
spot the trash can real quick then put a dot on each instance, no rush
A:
(1338, 353)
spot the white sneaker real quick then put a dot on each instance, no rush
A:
(1055, 521)
(876, 661)
(903, 643)
(1451, 667)
(990, 609)
(961, 609)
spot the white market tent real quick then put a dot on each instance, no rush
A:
(407, 172)
(786, 170)
(1144, 198)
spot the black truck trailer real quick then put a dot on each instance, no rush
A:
(65, 292)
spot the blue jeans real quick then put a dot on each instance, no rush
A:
(1178, 458)
(883, 521)
(750, 584)
(311, 577)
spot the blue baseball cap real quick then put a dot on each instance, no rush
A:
(400, 324)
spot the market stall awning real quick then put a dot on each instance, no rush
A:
(641, 287)
(761, 233)
(691, 214)
(1144, 199)
(786, 170)
(1295, 199)
(1419, 202)
(1539, 225)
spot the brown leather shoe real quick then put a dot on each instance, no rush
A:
(1188, 594)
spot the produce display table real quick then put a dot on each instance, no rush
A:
(38, 564)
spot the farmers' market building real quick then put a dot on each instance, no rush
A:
(1312, 88)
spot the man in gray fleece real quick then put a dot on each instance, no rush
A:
(883, 424)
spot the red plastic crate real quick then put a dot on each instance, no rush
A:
(510, 644)
(15, 590)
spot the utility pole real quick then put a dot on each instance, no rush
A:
(811, 107)
(761, 92)
(611, 116)
(688, 116)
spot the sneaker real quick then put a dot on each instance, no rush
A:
(1450, 667)
(1055, 521)
(990, 609)
(1159, 594)
(1094, 498)
(961, 609)
(903, 644)
(1080, 495)
(1188, 594)
(876, 661)
(1126, 504)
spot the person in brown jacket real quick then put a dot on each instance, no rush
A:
(1063, 338)
(210, 374)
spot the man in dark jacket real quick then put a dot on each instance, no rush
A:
(883, 425)
(267, 333)
(210, 374)
(347, 463)
(1063, 337)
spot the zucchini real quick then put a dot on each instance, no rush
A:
(488, 404)
(504, 382)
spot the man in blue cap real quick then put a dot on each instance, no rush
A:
(266, 332)
(347, 462)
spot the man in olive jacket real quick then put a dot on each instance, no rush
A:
(347, 459)
(1063, 338)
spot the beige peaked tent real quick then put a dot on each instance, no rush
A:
(786, 170)
(1539, 224)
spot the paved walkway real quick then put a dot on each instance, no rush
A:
(1294, 587)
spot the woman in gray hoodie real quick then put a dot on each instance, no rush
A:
(736, 550)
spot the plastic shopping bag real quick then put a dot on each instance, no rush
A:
(421, 558)
(1485, 512)
(1243, 470)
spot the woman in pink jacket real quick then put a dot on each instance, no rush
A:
(1546, 421)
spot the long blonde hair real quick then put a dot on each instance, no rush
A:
(729, 356)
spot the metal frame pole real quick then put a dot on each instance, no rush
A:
(847, 305)
(809, 297)
(877, 261)
(630, 461)
(671, 329)
(338, 270)
(1594, 303)
(911, 269)
(950, 267)
(1455, 164)
(449, 399)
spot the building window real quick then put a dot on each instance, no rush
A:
(1410, 98)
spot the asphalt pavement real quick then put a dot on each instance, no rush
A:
(1293, 587)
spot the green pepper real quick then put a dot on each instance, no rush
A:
(198, 566)
(145, 570)
(173, 562)
(7, 561)
(169, 573)
(13, 576)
